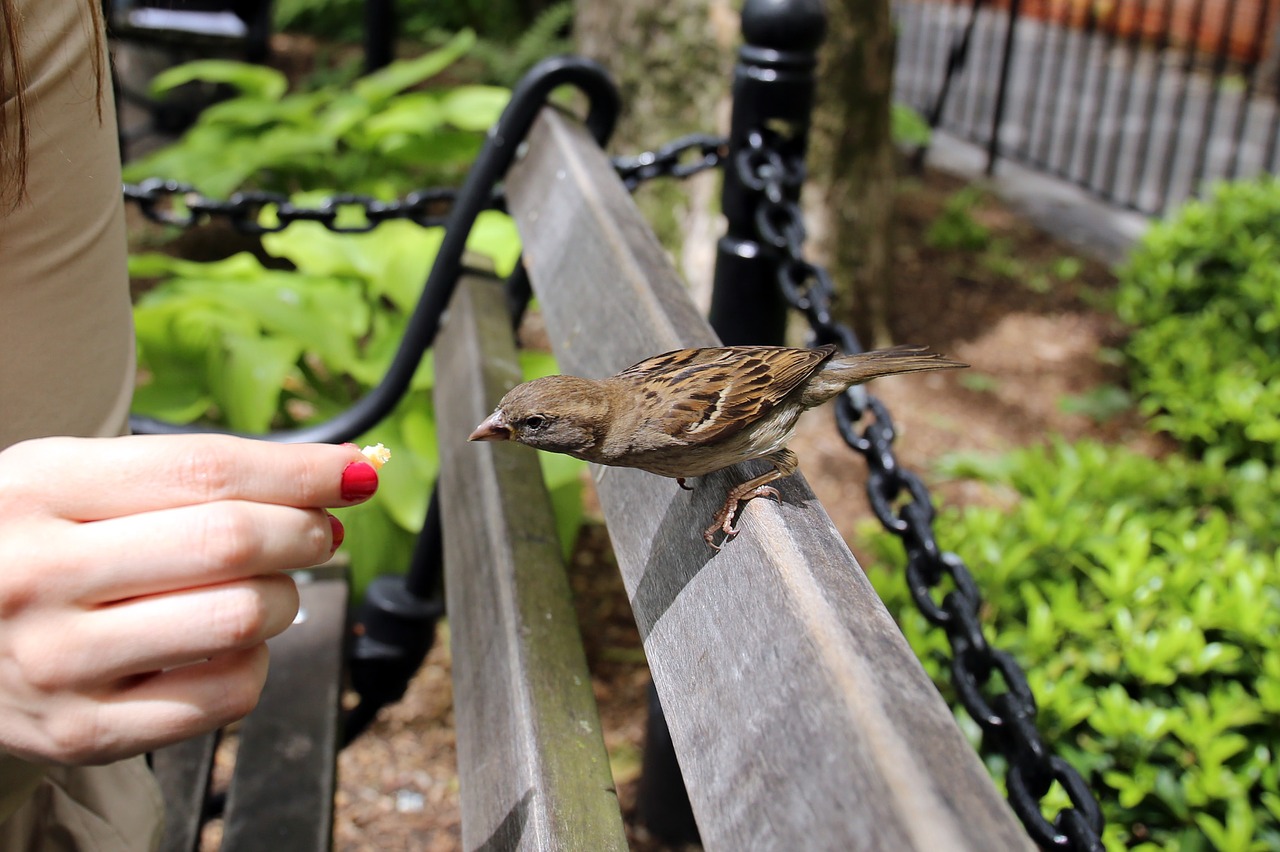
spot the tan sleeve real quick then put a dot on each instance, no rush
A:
(66, 345)
(66, 368)
(113, 808)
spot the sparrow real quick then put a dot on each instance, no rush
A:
(691, 412)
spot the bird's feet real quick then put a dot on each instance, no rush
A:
(680, 482)
(723, 521)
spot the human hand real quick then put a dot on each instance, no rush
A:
(140, 579)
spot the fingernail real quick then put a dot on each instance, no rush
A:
(359, 481)
(339, 533)
(351, 445)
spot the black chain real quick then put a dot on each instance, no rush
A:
(169, 202)
(683, 158)
(172, 203)
(1007, 717)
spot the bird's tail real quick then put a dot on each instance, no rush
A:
(845, 371)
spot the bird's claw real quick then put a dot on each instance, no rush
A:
(765, 491)
(723, 522)
(680, 482)
(724, 518)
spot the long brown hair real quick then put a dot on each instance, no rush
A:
(14, 131)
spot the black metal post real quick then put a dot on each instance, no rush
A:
(257, 17)
(379, 34)
(662, 800)
(1006, 60)
(773, 89)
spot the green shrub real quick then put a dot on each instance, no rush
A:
(1202, 291)
(908, 127)
(344, 19)
(956, 227)
(381, 135)
(1143, 599)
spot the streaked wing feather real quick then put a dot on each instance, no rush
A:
(715, 393)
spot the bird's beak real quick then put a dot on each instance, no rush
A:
(493, 429)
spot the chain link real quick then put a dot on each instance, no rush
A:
(680, 159)
(168, 202)
(902, 503)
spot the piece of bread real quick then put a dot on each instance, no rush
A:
(377, 455)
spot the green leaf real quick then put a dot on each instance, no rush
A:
(398, 76)
(563, 478)
(241, 266)
(177, 394)
(347, 111)
(415, 114)
(444, 147)
(1100, 404)
(255, 80)
(474, 107)
(248, 377)
(494, 235)
(242, 113)
(392, 260)
(374, 543)
(908, 127)
(324, 316)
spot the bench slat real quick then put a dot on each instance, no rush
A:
(182, 771)
(531, 760)
(799, 714)
(282, 788)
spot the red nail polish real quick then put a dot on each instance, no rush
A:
(339, 533)
(359, 481)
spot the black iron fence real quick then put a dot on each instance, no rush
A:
(1142, 102)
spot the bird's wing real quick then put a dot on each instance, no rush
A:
(705, 395)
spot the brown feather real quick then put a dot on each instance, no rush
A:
(708, 395)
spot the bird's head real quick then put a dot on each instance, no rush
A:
(561, 414)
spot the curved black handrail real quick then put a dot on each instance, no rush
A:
(500, 149)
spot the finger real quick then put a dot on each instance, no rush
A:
(161, 632)
(191, 546)
(142, 714)
(88, 479)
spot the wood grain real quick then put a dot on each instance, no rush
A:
(182, 771)
(800, 716)
(533, 770)
(282, 787)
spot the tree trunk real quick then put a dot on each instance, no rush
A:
(673, 61)
(854, 156)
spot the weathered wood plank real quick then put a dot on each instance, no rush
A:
(531, 760)
(800, 717)
(182, 771)
(282, 787)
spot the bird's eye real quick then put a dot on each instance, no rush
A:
(535, 422)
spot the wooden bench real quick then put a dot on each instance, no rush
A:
(799, 716)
